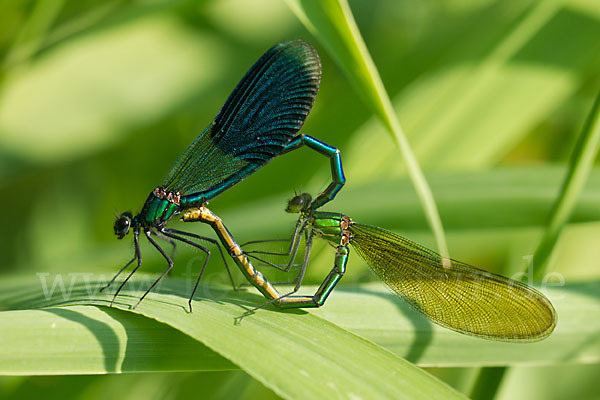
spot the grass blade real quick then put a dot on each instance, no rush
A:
(97, 340)
(296, 354)
(580, 166)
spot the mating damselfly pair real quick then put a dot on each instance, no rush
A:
(261, 120)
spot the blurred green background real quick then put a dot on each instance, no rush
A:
(98, 99)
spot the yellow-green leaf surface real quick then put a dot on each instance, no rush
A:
(113, 340)
(296, 354)
(375, 313)
(93, 340)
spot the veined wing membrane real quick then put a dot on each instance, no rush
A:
(460, 297)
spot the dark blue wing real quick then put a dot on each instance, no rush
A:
(264, 112)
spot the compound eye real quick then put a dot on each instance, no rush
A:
(122, 225)
(298, 203)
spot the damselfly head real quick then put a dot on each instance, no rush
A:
(298, 203)
(122, 224)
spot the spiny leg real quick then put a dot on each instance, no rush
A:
(163, 274)
(298, 283)
(166, 239)
(170, 233)
(286, 253)
(138, 255)
(300, 226)
(292, 251)
(119, 273)
(302, 270)
(270, 253)
(285, 267)
(282, 267)
(210, 240)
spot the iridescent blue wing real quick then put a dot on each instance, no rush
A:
(260, 117)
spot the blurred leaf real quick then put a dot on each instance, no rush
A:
(31, 34)
(182, 385)
(551, 383)
(307, 356)
(580, 165)
(83, 95)
(471, 113)
(490, 207)
(499, 198)
(265, 19)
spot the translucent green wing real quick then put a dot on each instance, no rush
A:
(459, 297)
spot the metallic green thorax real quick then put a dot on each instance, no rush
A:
(328, 226)
(159, 207)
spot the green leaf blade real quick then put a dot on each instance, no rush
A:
(296, 354)
(96, 340)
